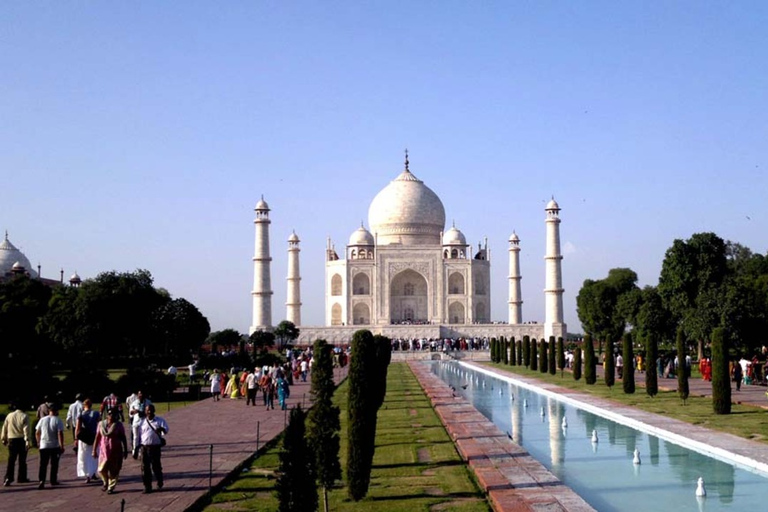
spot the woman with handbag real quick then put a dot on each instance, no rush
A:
(85, 433)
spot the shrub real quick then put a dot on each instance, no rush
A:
(721, 378)
(628, 377)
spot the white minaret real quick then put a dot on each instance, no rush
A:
(515, 301)
(293, 297)
(553, 291)
(262, 282)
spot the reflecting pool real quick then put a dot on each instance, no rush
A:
(560, 436)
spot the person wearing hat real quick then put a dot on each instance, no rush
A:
(15, 435)
(50, 438)
(74, 412)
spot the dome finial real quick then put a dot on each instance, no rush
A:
(406, 160)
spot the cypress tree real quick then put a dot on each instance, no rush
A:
(577, 364)
(324, 420)
(296, 487)
(651, 354)
(383, 357)
(721, 377)
(628, 377)
(363, 393)
(493, 350)
(560, 354)
(527, 351)
(534, 356)
(590, 373)
(520, 353)
(610, 363)
(682, 371)
(512, 352)
(553, 356)
(505, 347)
(543, 359)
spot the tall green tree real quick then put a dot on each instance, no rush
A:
(651, 355)
(692, 274)
(520, 353)
(512, 352)
(324, 421)
(383, 357)
(534, 355)
(224, 338)
(577, 364)
(628, 376)
(544, 357)
(607, 305)
(721, 377)
(361, 411)
(682, 371)
(261, 341)
(553, 356)
(295, 486)
(179, 328)
(560, 354)
(609, 375)
(527, 351)
(286, 333)
(505, 350)
(590, 369)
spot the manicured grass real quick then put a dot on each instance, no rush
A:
(416, 466)
(745, 421)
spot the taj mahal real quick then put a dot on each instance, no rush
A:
(407, 276)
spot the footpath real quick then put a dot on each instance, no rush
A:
(233, 430)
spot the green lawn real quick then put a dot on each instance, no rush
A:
(416, 466)
(745, 421)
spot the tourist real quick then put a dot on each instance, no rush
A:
(74, 412)
(110, 401)
(152, 430)
(283, 390)
(620, 366)
(50, 438)
(15, 435)
(136, 413)
(85, 433)
(173, 371)
(737, 375)
(251, 383)
(111, 447)
(304, 366)
(215, 386)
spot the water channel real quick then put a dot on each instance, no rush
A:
(603, 472)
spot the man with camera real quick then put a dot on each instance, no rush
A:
(137, 413)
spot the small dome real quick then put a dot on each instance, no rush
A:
(454, 237)
(10, 256)
(294, 237)
(18, 266)
(361, 236)
(552, 205)
(513, 237)
(262, 204)
(75, 278)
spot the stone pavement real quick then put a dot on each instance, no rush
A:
(234, 430)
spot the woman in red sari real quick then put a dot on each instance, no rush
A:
(112, 448)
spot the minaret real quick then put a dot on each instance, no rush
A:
(262, 285)
(553, 291)
(515, 301)
(293, 297)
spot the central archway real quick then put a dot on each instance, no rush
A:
(408, 298)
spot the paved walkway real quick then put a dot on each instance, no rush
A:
(234, 430)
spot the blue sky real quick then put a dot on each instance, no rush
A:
(142, 134)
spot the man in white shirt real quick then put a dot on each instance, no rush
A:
(251, 384)
(50, 438)
(74, 412)
(152, 430)
(136, 411)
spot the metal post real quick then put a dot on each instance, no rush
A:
(258, 425)
(303, 395)
(122, 505)
(285, 418)
(210, 468)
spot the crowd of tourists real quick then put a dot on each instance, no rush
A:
(99, 440)
(439, 345)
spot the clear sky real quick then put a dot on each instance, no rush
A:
(142, 134)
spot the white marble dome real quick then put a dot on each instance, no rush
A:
(407, 212)
(262, 204)
(294, 237)
(552, 205)
(454, 237)
(361, 236)
(10, 255)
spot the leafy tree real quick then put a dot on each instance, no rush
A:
(534, 355)
(180, 328)
(520, 352)
(383, 357)
(286, 333)
(604, 307)
(362, 410)
(505, 350)
(577, 364)
(651, 355)
(224, 338)
(609, 375)
(63, 320)
(682, 371)
(544, 357)
(560, 354)
(512, 352)
(262, 341)
(628, 377)
(526, 351)
(553, 356)
(721, 378)
(590, 370)
(691, 275)
(324, 420)
(295, 486)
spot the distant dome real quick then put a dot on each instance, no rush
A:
(75, 278)
(10, 255)
(262, 204)
(294, 237)
(361, 236)
(552, 205)
(513, 237)
(407, 211)
(454, 237)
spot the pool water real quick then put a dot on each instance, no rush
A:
(603, 472)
